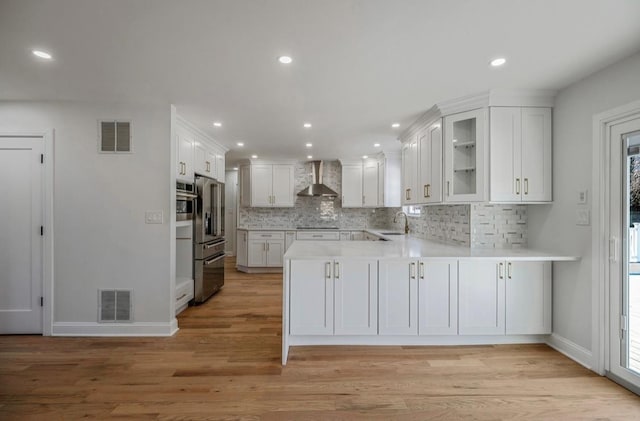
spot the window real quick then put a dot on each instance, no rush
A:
(412, 210)
(115, 136)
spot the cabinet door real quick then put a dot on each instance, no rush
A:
(245, 185)
(465, 157)
(438, 297)
(356, 297)
(505, 156)
(410, 172)
(528, 298)
(536, 154)
(424, 166)
(219, 164)
(211, 165)
(481, 297)
(261, 184)
(370, 184)
(184, 170)
(345, 236)
(352, 186)
(430, 165)
(241, 260)
(283, 186)
(257, 253)
(357, 235)
(275, 251)
(397, 297)
(201, 161)
(381, 178)
(311, 297)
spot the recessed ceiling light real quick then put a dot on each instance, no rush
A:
(285, 59)
(376, 145)
(307, 125)
(395, 125)
(217, 124)
(309, 157)
(365, 156)
(254, 156)
(42, 54)
(308, 145)
(240, 144)
(496, 62)
(235, 168)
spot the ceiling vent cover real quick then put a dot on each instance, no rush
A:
(114, 305)
(115, 136)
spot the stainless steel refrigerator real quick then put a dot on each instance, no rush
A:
(208, 238)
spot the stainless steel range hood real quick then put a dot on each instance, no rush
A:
(317, 188)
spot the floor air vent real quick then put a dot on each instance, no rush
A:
(114, 305)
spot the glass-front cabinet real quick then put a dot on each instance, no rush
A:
(465, 156)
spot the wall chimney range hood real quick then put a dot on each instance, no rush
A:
(317, 188)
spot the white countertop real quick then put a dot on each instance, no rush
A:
(402, 246)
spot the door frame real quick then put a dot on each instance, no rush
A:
(600, 294)
(48, 138)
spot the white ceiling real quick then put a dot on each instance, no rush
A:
(359, 65)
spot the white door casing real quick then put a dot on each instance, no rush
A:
(21, 239)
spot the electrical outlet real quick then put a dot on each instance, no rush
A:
(583, 216)
(153, 217)
(582, 197)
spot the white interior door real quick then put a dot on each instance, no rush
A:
(21, 245)
(624, 265)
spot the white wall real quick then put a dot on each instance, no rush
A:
(553, 226)
(231, 213)
(100, 238)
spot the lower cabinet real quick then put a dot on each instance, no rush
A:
(242, 244)
(398, 297)
(481, 297)
(528, 298)
(333, 297)
(265, 249)
(438, 297)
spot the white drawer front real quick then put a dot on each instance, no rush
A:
(318, 235)
(266, 235)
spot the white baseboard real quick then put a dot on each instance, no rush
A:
(114, 329)
(572, 350)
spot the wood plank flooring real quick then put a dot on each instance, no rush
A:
(224, 363)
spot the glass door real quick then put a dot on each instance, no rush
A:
(624, 254)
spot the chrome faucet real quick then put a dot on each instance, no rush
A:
(406, 221)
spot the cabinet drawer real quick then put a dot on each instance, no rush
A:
(266, 235)
(184, 290)
(316, 235)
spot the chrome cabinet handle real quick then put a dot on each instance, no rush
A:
(448, 193)
(428, 190)
(421, 270)
(181, 297)
(517, 186)
(509, 270)
(327, 270)
(501, 270)
(337, 270)
(526, 186)
(412, 270)
(425, 191)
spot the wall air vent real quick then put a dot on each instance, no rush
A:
(115, 136)
(114, 305)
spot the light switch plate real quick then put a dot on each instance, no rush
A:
(153, 217)
(583, 196)
(583, 216)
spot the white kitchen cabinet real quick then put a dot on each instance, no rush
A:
(185, 167)
(318, 235)
(429, 186)
(311, 297)
(265, 248)
(438, 297)
(357, 235)
(528, 298)
(520, 154)
(356, 297)
(219, 165)
(370, 194)
(352, 185)
(205, 162)
(289, 238)
(410, 172)
(481, 297)
(271, 185)
(397, 297)
(345, 236)
(465, 156)
(245, 185)
(242, 244)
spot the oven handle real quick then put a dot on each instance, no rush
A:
(186, 195)
(208, 246)
(215, 259)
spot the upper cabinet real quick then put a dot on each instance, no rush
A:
(520, 158)
(264, 184)
(430, 164)
(410, 172)
(465, 156)
(197, 153)
(372, 182)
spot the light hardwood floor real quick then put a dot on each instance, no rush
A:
(224, 363)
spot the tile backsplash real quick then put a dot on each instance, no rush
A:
(476, 225)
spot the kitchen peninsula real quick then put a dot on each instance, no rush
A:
(410, 291)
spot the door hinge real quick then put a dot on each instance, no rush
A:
(41, 301)
(42, 158)
(41, 230)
